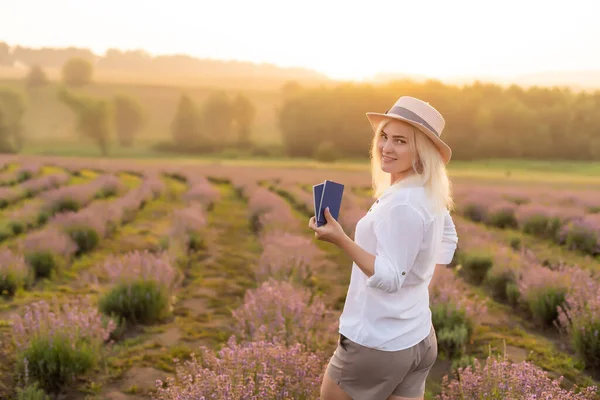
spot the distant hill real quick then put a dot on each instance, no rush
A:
(140, 67)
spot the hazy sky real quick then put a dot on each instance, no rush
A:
(437, 38)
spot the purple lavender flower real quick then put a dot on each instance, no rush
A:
(201, 190)
(86, 218)
(78, 318)
(49, 240)
(446, 288)
(28, 170)
(9, 195)
(34, 186)
(579, 319)
(143, 265)
(287, 256)
(14, 272)
(187, 224)
(500, 379)
(256, 370)
(278, 311)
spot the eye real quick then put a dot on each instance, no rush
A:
(383, 135)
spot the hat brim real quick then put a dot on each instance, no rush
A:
(444, 149)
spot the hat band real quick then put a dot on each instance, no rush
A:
(406, 113)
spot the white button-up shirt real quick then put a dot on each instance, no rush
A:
(390, 310)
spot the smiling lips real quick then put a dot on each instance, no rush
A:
(388, 159)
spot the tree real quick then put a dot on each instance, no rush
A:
(77, 72)
(244, 113)
(36, 77)
(12, 108)
(185, 127)
(217, 117)
(92, 117)
(290, 88)
(5, 56)
(129, 119)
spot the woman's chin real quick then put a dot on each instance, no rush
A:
(385, 168)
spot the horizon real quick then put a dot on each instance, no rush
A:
(470, 47)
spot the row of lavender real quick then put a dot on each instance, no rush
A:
(572, 220)
(20, 174)
(55, 342)
(58, 198)
(564, 297)
(72, 229)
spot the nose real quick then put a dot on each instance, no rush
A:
(387, 147)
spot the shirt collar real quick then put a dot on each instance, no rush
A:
(412, 181)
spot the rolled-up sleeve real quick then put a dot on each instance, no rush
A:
(399, 238)
(449, 241)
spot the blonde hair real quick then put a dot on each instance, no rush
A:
(427, 164)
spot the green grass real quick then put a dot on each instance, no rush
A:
(557, 173)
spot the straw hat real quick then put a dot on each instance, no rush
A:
(420, 115)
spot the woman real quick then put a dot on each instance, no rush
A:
(387, 342)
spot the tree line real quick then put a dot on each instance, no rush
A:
(221, 122)
(139, 60)
(482, 120)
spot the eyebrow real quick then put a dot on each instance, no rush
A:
(395, 136)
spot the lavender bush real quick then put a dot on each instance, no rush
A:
(47, 251)
(14, 272)
(124, 209)
(186, 230)
(201, 190)
(502, 215)
(256, 370)
(58, 342)
(26, 217)
(85, 228)
(543, 291)
(269, 211)
(580, 317)
(287, 256)
(68, 198)
(107, 186)
(582, 234)
(453, 313)
(475, 265)
(277, 311)
(499, 379)
(9, 195)
(142, 287)
(52, 181)
(28, 171)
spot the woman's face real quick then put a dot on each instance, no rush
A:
(394, 147)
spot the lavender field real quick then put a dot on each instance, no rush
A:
(172, 280)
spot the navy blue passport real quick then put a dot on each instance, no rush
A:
(317, 194)
(332, 198)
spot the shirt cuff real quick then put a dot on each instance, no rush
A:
(445, 257)
(384, 276)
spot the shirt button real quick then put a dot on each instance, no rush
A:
(403, 272)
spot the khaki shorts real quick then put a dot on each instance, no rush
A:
(371, 374)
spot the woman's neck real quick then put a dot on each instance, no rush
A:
(399, 176)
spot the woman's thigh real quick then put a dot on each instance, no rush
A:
(331, 391)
